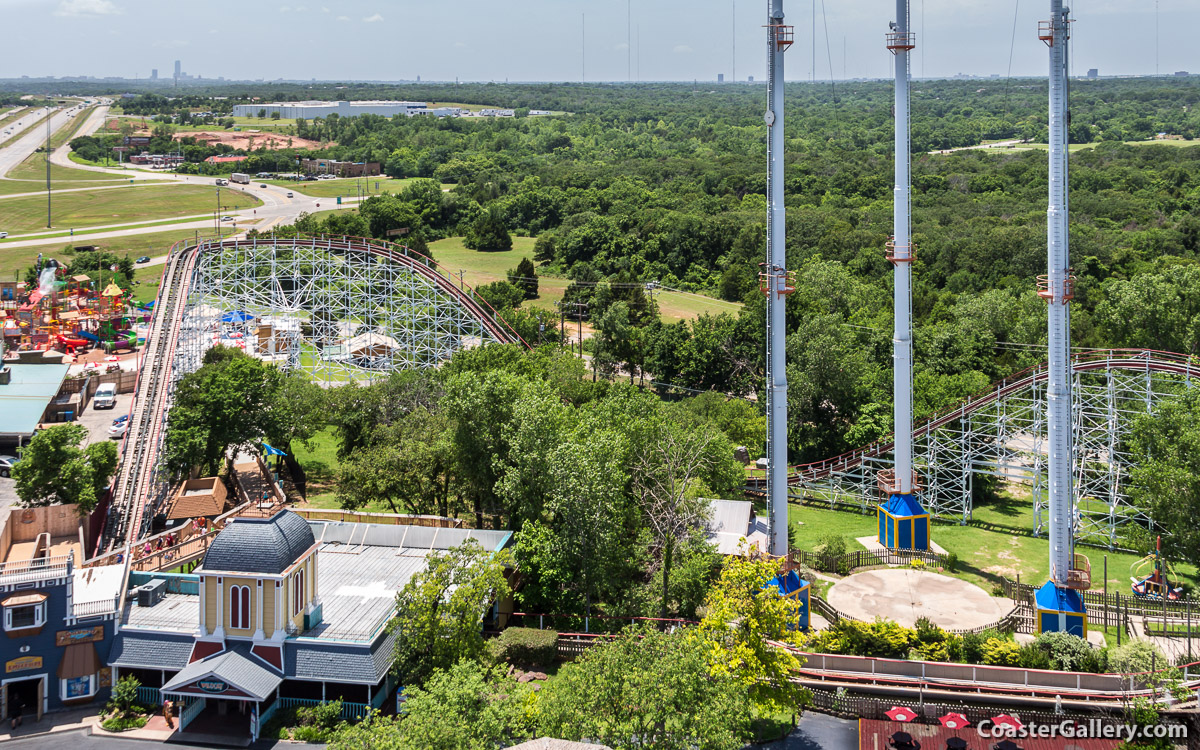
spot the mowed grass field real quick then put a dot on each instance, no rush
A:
(997, 543)
(14, 260)
(347, 187)
(140, 203)
(483, 268)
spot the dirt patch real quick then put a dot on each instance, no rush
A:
(251, 141)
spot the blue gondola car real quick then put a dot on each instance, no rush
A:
(903, 524)
(792, 586)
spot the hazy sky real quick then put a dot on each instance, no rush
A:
(523, 40)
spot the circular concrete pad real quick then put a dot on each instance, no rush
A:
(906, 595)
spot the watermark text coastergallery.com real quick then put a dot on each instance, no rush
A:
(1090, 729)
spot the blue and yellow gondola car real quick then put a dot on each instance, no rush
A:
(1060, 609)
(792, 586)
(903, 523)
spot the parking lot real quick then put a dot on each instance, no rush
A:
(97, 422)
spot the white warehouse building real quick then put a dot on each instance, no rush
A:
(313, 110)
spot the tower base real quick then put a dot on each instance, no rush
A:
(903, 524)
(1060, 610)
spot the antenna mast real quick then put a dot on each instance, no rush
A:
(776, 284)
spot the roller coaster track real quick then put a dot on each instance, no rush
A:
(139, 489)
(950, 432)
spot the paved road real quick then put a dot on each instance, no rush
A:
(80, 740)
(17, 152)
(15, 127)
(820, 732)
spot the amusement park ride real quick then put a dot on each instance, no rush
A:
(1157, 585)
(72, 314)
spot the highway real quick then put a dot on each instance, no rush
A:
(277, 207)
(18, 151)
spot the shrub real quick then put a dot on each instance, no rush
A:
(973, 645)
(1067, 652)
(951, 563)
(527, 646)
(1136, 656)
(124, 695)
(123, 723)
(916, 563)
(1032, 657)
(1000, 652)
(831, 545)
(323, 717)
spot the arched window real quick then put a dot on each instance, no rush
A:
(298, 592)
(239, 607)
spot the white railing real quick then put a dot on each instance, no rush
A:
(191, 711)
(37, 569)
(94, 609)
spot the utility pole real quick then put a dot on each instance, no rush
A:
(775, 285)
(48, 119)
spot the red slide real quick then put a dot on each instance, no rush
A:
(69, 345)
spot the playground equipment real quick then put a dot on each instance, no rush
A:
(1157, 585)
(65, 312)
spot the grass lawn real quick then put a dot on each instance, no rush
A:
(14, 260)
(483, 268)
(1081, 146)
(15, 187)
(262, 123)
(997, 543)
(321, 465)
(34, 168)
(347, 188)
(147, 203)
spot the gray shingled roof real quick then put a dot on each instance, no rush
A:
(260, 545)
(234, 666)
(151, 651)
(337, 663)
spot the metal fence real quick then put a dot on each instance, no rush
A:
(851, 561)
(350, 711)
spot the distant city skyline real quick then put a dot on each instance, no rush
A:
(540, 40)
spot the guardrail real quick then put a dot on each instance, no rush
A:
(96, 609)
(37, 569)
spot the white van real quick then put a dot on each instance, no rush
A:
(106, 396)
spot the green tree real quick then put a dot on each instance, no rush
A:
(465, 707)
(1165, 478)
(227, 403)
(488, 233)
(673, 468)
(743, 617)
(439, 612)
(54, 470)
(525, 277)
(646, 689)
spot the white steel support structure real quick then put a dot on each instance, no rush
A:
(902, 256)
(776, 285)
(899, 483)
(1057, 291)
(1002, 433)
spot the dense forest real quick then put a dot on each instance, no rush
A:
(664, 184)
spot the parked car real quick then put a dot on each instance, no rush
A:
(3, 235)
(262, 186)
(118, 430)
(121, 419)
(6, 465)
(144, 259)
(106, 396)
(290, 195)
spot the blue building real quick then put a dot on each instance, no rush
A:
(59, 616)
(282, 612)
